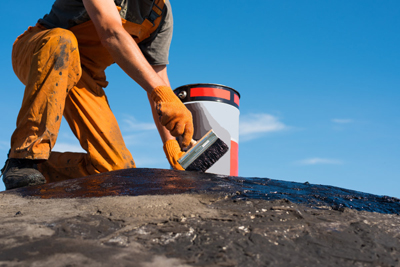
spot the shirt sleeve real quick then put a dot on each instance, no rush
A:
(156, 47)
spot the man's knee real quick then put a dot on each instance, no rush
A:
(61, 36)
(62, 45)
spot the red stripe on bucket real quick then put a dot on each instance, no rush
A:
(236, 99)
(210, 92)
(234, 158)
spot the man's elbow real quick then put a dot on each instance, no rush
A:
(109, 38)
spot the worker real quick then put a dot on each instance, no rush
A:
(61, 61)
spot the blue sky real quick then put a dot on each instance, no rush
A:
(319, 84)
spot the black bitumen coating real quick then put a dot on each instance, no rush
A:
(135, 182)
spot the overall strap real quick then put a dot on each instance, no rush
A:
(143, 31)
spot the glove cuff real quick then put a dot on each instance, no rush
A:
(164, 94)
(171, 148)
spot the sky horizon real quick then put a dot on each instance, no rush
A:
(319, 84)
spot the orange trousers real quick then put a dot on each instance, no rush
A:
(64, 79)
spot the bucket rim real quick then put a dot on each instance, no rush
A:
(215, 84)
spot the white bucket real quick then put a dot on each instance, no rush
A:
(216, 107)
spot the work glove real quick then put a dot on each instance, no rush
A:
(173, 153)
(173, 114)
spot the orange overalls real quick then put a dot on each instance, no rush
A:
(63, 71)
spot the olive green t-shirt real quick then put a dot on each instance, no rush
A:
(69, 13)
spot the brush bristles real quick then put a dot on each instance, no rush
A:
(209, 157)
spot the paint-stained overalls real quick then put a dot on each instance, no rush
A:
(63, 71)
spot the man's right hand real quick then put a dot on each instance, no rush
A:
(173, 114)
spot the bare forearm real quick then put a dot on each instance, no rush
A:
(137, 67)
(128, 56)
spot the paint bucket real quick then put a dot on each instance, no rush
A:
(216, 107)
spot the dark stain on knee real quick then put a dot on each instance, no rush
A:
(63, 55)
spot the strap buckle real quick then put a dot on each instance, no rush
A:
(156, 12)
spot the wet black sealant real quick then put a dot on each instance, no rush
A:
(135, 182)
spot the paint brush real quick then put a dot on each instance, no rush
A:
(203, 153)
